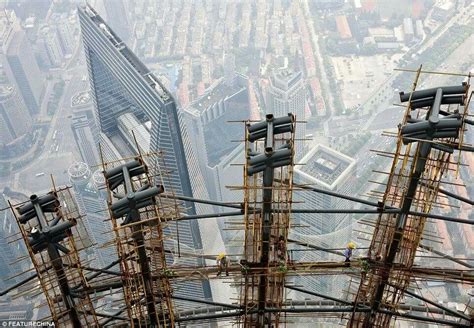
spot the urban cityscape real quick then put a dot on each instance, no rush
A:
(210, 163)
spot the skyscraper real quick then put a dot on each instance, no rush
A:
(91, 198)
(333, 171)
(49, 47)
(122, 84)
(64, 32)
(10, 251)
(15, 121)
(287, 94)
(22, 70)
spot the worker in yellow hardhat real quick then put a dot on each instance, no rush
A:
(349, 251)
(222, 264)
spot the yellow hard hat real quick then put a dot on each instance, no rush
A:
(220, 256)
(351, 245)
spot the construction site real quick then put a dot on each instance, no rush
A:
(381, 289)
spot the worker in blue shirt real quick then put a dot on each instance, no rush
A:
(349, 251)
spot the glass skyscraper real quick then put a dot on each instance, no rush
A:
(287, 94)
(21, 68)
(121, 83)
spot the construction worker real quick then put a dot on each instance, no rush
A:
(348, 251)
(281, 248)
(222, 264)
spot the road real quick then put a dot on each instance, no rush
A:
(58, 152)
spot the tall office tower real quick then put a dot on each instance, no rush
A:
(287, 94)
(22, 70)
(49, 48)
(64, 31)
(118, 19)
(10, 251)
(15, 120)
(122, 84)
(91, 198)
(85, 134)
(208, 119)
(330, 170)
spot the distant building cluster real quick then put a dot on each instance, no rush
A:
(56, 39)
(30, 46)
(364, 27)
(203, 36)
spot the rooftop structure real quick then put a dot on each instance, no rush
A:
(325, 167)
(83, 127)
(343, 27)
(220, 91)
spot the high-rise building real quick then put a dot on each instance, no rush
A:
(333, 171)
(208, 119)
(91, 198)
(287, 94)
(15, 120)
(83, 128)
(122, 84)
(49, 47)
(22, 70)
(330, 170)
(11, 252)
(64, 31)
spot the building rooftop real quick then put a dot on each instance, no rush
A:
(325, 166)
(343, 27)
(215, 93)
(285, 78)
(219, 105)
